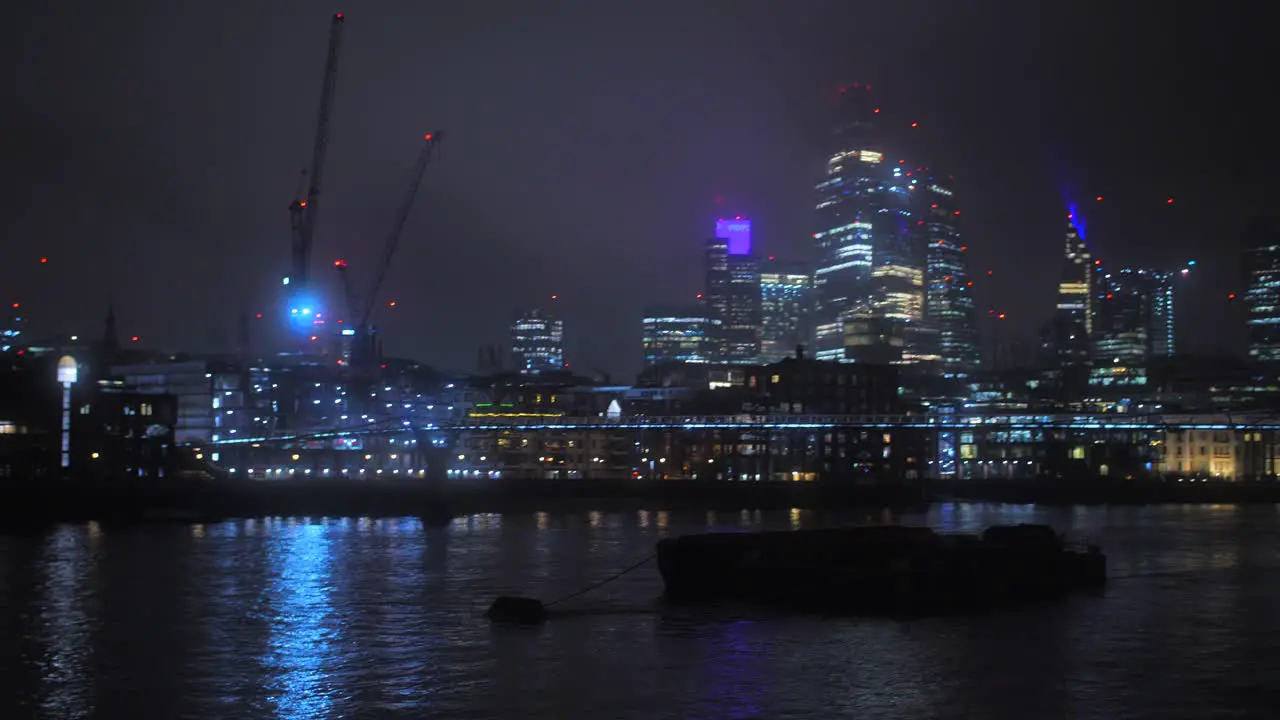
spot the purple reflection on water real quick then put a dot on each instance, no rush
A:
(738, 232)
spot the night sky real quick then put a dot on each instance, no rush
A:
(151, 150)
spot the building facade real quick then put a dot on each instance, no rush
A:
(786, 292)
(1261, 267)
(537, 342)
(949, 302)
(677, 334)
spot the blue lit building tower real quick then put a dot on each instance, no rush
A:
(1065, 340)
(867, 285)
(1261, 267)
(949, 303)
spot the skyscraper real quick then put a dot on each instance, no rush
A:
(866, 270)
(676, 334)
(1066, 340)
(537, 342)
(1134, 319)
(949, 304)
(785, 293)
(732, 293)
(1261, 266)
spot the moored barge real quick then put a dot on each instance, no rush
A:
(878, 570)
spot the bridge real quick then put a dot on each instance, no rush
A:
(517, 422)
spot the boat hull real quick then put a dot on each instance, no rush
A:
(884, 570)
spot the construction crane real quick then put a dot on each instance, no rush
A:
(303, 212)
(362, 313)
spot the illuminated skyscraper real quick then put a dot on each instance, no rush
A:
(1261, 265)
(537, 342)
(676, 334)
(949, 304)
(785, 293)
(1066, 341)
(1134, 320)
(732, 294)
(866, 269)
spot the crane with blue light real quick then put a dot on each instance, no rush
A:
(304, 308)
(362, 331)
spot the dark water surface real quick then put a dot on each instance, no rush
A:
(382, 618)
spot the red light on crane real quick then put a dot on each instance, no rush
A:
(1099, 198)
(915, 124)
(956, 212)
(134, 338)
(427, 136)
(1169, 201)
(44, 260)
(876, 110)
(1231, 296)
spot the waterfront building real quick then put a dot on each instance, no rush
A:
(786, 291)
(537, 342)
(867, 270)
(949, 305)
(1261, 268)
(677, 334)
(732, 293)
(1238, 454)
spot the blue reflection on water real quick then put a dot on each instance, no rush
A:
(300, 655)
(66, 624)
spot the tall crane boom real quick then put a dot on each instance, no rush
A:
(303, 212)
(431, 140)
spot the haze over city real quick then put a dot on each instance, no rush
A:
(154, 148)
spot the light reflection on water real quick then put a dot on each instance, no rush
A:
(297, 618)
(303, 633)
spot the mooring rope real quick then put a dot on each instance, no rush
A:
(607, 580)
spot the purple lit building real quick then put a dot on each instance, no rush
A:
(737, 234)
(732, 294)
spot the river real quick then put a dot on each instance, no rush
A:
(358, 618)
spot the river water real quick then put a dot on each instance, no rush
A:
(299, 618)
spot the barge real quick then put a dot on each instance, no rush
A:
(878, 570)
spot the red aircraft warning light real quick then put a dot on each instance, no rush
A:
(259, 316)
(1231, 296)
(1169, 201)
(427, 136)
(134, 338)
(555, 297)
(391, 304)
(1000, 316)
(915, 124)
(17, 305)
(340, 264)
(1099, 198)
(44, 260)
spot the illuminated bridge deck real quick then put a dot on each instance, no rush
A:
(785, 423)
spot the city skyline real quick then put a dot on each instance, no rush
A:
(188, 242)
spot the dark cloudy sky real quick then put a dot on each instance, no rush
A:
(151, 148)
